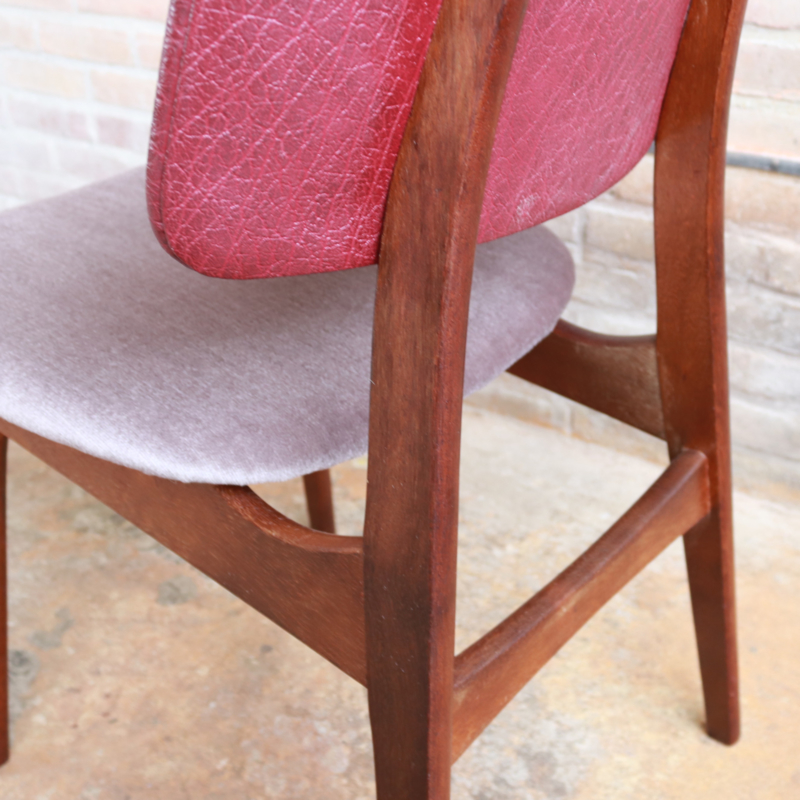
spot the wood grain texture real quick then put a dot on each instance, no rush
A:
(319, 500)
(492, 670)
(617, 375)
(4, 720)
(307, 582)
(424, 279)
(692, 338)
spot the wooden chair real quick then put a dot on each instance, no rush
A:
(382, 607)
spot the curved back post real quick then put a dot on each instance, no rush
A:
(691, 340)
(424, 275)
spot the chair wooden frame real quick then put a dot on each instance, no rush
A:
(382, 607)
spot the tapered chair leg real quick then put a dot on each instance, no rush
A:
(709, 559)
(4, 731)
(319, 499)
(407, 764)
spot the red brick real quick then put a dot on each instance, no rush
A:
(86, 43)
(774, 13)
(44, 117)
(39, 75)
(17, 31)
(127, 134)
(122, 89)
(142, 9)
(148, 49)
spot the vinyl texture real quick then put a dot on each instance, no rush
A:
(278, 124)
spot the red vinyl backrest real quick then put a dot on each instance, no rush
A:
(278, 122)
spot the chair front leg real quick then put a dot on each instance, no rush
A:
(419, 341)
(410, 615)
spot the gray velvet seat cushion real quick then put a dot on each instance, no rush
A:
(110, 346)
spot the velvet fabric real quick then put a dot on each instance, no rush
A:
(110, 346)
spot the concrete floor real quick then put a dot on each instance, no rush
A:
(134, 677)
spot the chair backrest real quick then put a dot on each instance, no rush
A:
(277, 124)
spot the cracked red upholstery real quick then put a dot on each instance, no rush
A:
(278, 123)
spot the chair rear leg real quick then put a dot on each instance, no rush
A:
(709, 560)
(4, 731)
(319, 499)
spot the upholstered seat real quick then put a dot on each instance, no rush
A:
(111, 346)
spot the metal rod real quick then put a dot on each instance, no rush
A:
(782, 166)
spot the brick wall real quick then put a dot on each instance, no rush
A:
(612, 243)
(77, 80)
